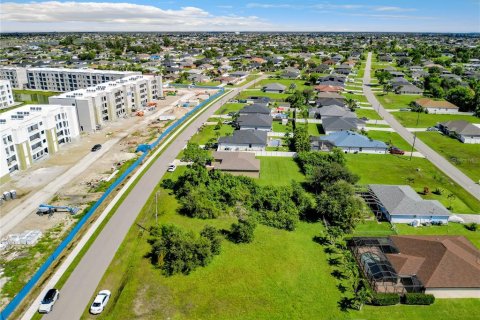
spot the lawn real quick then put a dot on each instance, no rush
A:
(464, 156)
(258, 93)
(368, 113)
(314, 129)
(279, 171)
(230, 107)
(396, 101)
(277, 126)
(391, 138)
(357, 97)
(286, 82)
(390, 169)
(209, 132)
(425, 120)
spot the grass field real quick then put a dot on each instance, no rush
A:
(286, 82)
(357, 97)
(209, 132)
(314, 129)
(396, 101)
(279, 171)
(230, 107)
(464, 156)
(390, 169)
(259, 93)
(277, 126)
(368, 113)
(425, 120)
(391, 138)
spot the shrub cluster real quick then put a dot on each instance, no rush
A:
(177, 251)
(385, 299)
(418, 299)
(243, 231)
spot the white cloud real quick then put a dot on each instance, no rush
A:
(272, 5)
(53, 15)
(393, 9)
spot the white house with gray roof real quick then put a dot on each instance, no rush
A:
(243, 140)
(402, 204)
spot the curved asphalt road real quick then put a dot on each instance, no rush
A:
(80, 286)
(440, 162)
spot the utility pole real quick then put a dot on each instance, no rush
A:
(414, 136)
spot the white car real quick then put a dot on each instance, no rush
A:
(100, 302)
(48, 301)
(171, 168)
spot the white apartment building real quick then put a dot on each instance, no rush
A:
(111, 100)
(16, 76)
(6, 96)
(32, 132)
(60, 79)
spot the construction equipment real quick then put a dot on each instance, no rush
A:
(48, 209)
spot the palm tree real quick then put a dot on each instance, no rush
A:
(351, 103)
(387, 87)
(292, 87)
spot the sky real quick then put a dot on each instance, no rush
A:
(241, 15)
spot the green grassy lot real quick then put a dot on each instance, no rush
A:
(209, 132)
(464, 156)
(277, 126)
(425, 120)
(391, 169)
(392, 138)
(314, 129)
(370, 114)
(230, 107)
(286, 82)
(279, 171)
(396, 101)
(357, 97)
(377, 125)
(259, 93)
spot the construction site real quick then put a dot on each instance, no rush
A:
(50, 196)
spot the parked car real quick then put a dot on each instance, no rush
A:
(96, 147)
(100, 302)
(48, 301)
(395, 150)
(171, 168)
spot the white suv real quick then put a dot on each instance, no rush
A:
(100, 302)
(48, 301)
(171, 168)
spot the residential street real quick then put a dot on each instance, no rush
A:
(77, 292)
(440, 162)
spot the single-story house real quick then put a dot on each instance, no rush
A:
(237, 163)
(462, 130)
(445, 266)
(349, 142)
(239, 74)
(274, 87)
(402, 204)
(328, 88)
(330, 111)
(436, 106)
(408, 89)
(334, 124)
(255, 121)
(243, 140)
(291, 73)
(260, 108)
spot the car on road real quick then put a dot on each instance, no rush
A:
(171, 168)
(100, 302)
(46, 306)
(96, 147)
(395, 150)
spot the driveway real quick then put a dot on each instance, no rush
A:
(440, 162)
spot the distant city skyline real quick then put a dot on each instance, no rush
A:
(195, 15)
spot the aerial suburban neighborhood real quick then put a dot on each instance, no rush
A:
(227, 163)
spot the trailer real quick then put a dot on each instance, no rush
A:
(50, 210)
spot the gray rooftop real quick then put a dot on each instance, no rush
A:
(245, 137)
(255, 120)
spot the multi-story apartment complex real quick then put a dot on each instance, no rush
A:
(111, 100)
(32, 132)
(16, 76)
(60, 79)
(6, 96)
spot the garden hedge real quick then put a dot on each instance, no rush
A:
(418, 299)
(385, 299)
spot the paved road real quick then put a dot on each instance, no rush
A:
(80, 286)
(440, 162)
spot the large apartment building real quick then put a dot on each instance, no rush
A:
(112, 100)
(59, 79)
(32, 132)
(6, 96)
(17, 76)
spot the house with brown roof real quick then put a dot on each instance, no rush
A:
(328, 88)
(436, 106)
(237, 163)
(462, 130)
(445, 266)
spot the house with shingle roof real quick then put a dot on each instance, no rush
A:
(243, 140)
(255, 121)
(462, 130)
(402, 204)
(237, 163)
(260, 108)
(436, 106)
(334, 124)
(274, 87)
(349, 142)
(330, 111)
